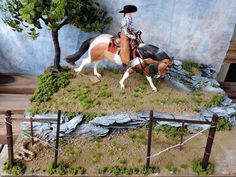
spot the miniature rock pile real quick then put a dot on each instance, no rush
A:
(184, 80)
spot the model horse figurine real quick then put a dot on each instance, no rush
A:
(149, 59)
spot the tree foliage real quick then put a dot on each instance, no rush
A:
(84, 14)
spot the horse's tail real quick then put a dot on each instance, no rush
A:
(83, 48)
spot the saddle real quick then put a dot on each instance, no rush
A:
(114, 45)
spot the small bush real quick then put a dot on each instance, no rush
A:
(17, 169)
(171, 168)
(178, 101)
(197, 168)
(71, 115)
(63, 169)
(120, 170)
(95, 158)
(223, 124)
(215, 101)
(183, 166)
(172, 133)
(122, 161)
(192, 68)
(90, 116)
(49, 83)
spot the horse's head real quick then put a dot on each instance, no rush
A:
(164, 66)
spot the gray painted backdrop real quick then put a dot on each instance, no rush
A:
(198, 30)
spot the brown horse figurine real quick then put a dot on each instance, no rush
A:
(149, 59)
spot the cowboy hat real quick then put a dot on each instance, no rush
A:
(128, 9)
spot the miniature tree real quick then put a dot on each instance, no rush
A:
(31, 14)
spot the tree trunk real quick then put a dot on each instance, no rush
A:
(57, 49)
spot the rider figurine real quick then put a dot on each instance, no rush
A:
(126, 33)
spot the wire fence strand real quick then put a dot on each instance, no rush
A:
(177, 145)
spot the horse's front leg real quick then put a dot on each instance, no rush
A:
(125, 76)
(151, 83)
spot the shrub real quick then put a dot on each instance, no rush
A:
(17, 169)
(71, 115)
(192, 68)
(95, 158)
(122, 161)
(63, 169)
(197, 168)
(90, 116)
(183, 166)
(49, 83)
(171, 132)
(223, 124)
(215, 101)
(171, 168)
(120, 170)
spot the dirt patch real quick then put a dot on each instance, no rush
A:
(129, 149)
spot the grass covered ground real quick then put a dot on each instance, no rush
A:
(106, 97)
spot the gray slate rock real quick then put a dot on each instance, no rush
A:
(212, 89)
(71, 125)
(112, 119)
(223, 111)
(227, 101)
(90, 131)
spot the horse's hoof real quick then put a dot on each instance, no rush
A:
(77, 70)
(98, 75)
(154, 90)
(122, 86)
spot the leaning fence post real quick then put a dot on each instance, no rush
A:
(31, 131)
(9, 138)
(181, 136)
(210, 140)
(57, 138)
(149, 139)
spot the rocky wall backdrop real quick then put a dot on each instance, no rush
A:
(198, 30)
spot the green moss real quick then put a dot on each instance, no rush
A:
(71, 115)
(170, 167)
(95, 158)
(197, 168)
(178, 101)
(17, 169)
(215, 101)
(121, 170)
(184, 166)
(122, 161)
(223, 124)
(90, 116)
(63, 169)
(172, 133)
(49, 83)
(192, 68)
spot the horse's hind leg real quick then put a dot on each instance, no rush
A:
(84, 62)
(95, 71)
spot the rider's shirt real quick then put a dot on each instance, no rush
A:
(127, 26)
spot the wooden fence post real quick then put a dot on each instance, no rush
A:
(210, 140)
(57, 138)
(31, 131)
(181, 136)
(9, 138)
(149, 139)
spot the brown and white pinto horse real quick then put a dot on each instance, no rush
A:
(150, 59)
